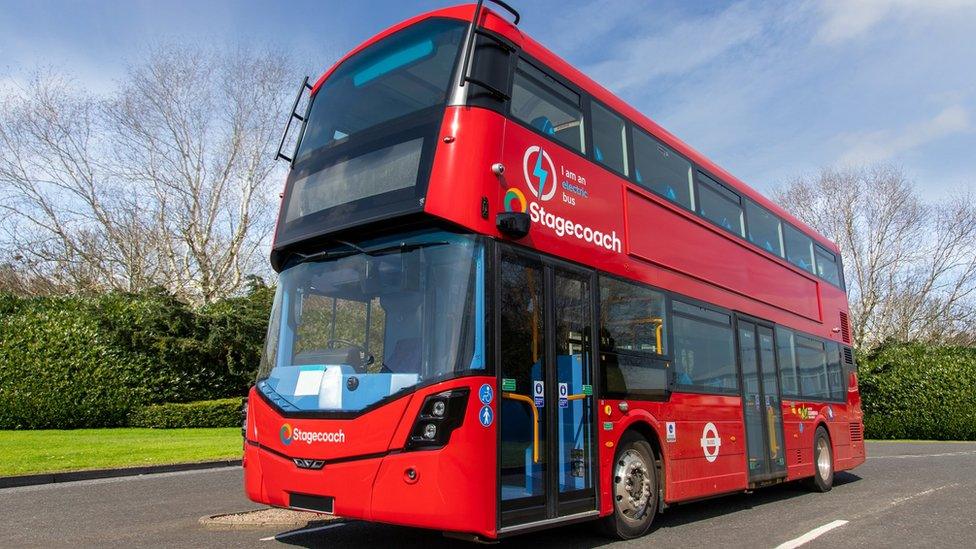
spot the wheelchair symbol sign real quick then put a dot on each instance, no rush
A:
(486, 394)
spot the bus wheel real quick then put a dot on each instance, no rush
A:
(823, 461)
(634, 489)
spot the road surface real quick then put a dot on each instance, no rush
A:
(907, 494)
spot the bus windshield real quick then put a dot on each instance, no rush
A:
(369, 126)
(356, 324)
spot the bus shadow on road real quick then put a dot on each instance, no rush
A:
(586, 535)
(710, 508)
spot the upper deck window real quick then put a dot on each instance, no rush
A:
(660, 169)
(548, 106)
(609, 139)
(371, 131)
(827, 268)
(765, 229)
(405, 73)
(720, 205)
(799, 248)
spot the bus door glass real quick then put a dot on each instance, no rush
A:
(547, 461)
(572, 305)
(761, 402)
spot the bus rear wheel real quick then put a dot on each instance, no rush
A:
(823, 462)
(634, 486)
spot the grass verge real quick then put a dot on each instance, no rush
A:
(51, 451)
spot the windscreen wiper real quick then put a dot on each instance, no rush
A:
(404, 247)
(335, 254)
(331, 254)
(324, 255)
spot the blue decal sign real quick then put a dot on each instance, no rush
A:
(486, 416)
(486, 394)
(539, 393)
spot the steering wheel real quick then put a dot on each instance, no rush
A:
(342, 343)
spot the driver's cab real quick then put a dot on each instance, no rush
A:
(359, 323)
(342, 334)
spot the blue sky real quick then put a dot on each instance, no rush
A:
(768, 90)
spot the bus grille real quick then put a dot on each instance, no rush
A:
(845, 328)
(857, 435)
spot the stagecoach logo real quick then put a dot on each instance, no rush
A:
(710, 442)
(541, 179)
(539, 172)
(515, 201)
(289, 434)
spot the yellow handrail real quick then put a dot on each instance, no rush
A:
(535, 421)
(535, 417)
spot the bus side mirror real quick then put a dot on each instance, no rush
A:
(513, 224)
(491, 71)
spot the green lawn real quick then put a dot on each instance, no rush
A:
(28, 452)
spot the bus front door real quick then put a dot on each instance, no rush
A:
(761, 400)
(547, 454)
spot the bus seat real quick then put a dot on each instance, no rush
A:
(637, 175)
(671, 194)
(598, 154)
(543, 124)
(405, 357)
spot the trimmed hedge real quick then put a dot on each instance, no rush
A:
(225, 412)
(87, 361)
(913, 391)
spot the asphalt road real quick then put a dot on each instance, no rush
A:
(906, 495)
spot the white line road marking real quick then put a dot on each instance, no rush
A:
(284, 535)
(811, 535)
(899, 501)
(907, 456)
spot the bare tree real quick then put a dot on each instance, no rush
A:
(910, 266)
(64, 214)
(170, 182)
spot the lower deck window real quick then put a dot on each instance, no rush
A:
(704, 350)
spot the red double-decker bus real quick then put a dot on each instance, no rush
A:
(508, 300)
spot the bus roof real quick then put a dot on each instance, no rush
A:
(500, 24)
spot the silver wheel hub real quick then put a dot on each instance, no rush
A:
(632, 485)
(823, 459)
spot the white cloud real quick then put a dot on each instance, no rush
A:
(847, 19)
(677, 47)
(881, 145)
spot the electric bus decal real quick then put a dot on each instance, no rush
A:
(543, 181)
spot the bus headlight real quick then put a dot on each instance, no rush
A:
(438, 408)
(440, 414)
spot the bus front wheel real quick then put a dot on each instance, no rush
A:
(634, 486)
(823, 462)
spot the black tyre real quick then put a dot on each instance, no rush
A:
(823, 462)
(634, 488)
